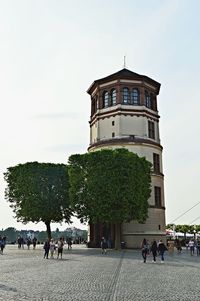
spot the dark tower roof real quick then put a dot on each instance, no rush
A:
(125, 74)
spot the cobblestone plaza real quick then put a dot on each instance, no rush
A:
(86, 274)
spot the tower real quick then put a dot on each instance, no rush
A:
(124, 115)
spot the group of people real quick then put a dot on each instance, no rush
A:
(154, 248)
(28, 241)
(51, 246)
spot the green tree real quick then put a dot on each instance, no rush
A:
(183, 229)
(10, 233)
(41, 237)
(39, 192)
(110, 186)
(170, 226)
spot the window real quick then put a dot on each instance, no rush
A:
(113, 134)
(135, 97)
(113, 123)
(157, 194)
(156, 163)
(151, 129)
(105, 99)
(125, 96)
(148, 102)
(113, 97)
(93, 107)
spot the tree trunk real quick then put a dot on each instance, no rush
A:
(48, 229)
(117, 236)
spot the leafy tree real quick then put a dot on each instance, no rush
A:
(110, 186)
(170, 226)
(39, 192)
(41, 237)
(10, 233)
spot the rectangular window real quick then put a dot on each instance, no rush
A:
(113, 134)
(156, 163)
(157, 194)
(151, 129)
(113, 123)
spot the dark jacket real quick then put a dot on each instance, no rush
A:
(154, 247)
(46, 246)
(161, 247)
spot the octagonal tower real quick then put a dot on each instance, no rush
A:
(124, 115)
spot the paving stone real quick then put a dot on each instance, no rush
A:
(86, 274)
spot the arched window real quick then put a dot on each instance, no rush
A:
(113, 97)
(105, 99)
(135, 97)
(125, 96)
(148, 100)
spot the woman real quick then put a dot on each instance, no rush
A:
(144, 246)
(154, 249)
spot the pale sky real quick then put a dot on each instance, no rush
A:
(50, 53)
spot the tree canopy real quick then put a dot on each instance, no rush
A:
(110, 186)
(39, 192)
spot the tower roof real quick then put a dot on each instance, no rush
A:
(125, 74)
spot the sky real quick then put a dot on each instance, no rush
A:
(50, 53)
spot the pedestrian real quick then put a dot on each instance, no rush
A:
(60, 247)
(145, 249)
(161, 249)
(154, 249)
(178, 246)
(34, 241)
(69, 243)
(46, 248)
(191, 246)
(2, 245)
(103, 245)
(198, 247)
(19, 241)
(52, 247)
(28, 243)
(22, 242)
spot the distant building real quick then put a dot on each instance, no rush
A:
(124, 115)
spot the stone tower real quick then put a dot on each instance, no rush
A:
(124, 114)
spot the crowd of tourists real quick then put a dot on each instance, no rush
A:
(158, 249)
(50, 246)
(154, 249)
(191, 245)
(21, 242)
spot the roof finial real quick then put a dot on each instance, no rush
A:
(124, 61)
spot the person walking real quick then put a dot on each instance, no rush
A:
(46, 248)
(145, 249)
(28, 243)
(34, 242)
(2, 245)
(198, 247)
(52, 248)
(69, 243)
(191, 246)
(60, 247)
(154, 249)
(161, 249)
(103, 245)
